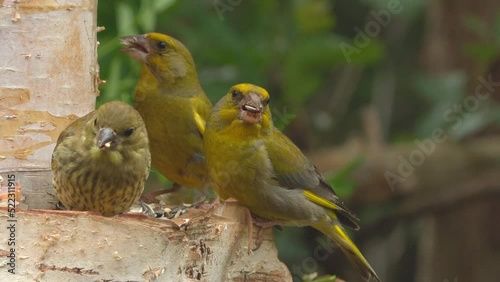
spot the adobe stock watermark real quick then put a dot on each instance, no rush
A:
(223, 6)
(455, 116)
(381, 19)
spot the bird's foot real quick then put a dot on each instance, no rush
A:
(60, 206)
(207, 207)
(147, 209)
(262, 224)
(141, 207)
(150, 197)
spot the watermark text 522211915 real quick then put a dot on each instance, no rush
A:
(11, 222)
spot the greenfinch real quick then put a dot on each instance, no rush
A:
(102, 160)
(174, 107)
(253, 162)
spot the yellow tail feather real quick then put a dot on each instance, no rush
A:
(339, 236)
(320, 201)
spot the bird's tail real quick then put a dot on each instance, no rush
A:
(339, 236)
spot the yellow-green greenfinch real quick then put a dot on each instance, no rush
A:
(102, 160)
(174, 107)
(252, 161)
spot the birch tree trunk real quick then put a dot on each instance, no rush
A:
(48, 78)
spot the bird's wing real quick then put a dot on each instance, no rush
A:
(75, 128)
(294, 171)
(200, 123)
(201, 112)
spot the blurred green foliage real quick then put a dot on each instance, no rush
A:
(487, 48)
(344, 186)
(287, 47)
(297, 50)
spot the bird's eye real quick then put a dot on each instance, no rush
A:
(267, 101)
(235, 93)
(128, 132)
(161, 45)
(95, 122)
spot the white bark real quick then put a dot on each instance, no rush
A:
(48, 78)
(78, 246)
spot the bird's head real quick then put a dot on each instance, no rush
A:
(245, 104)
(165, 57)
(119, 131)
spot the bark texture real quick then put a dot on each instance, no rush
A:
(198, 246)
(48, 78)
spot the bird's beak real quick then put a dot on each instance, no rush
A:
(136, 47)
(106, 139)
(251, 108)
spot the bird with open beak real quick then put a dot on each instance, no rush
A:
(174, 107)
(253, 162)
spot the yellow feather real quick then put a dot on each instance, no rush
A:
(200, 122)
(344, 236)
(320, 201)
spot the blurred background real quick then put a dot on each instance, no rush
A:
(396, 102)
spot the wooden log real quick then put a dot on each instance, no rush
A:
(197, 246)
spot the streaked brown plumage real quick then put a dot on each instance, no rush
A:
(102, 160)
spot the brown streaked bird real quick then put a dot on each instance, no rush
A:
(102, 160)
(174, 107)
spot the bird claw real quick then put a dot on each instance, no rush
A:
(262, 224)
(258, 240)
(60, 206)
(259, 222)
(147, 209)
(207, 207)
(150, 197)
